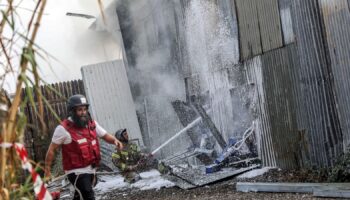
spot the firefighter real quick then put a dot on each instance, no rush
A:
(130, 160)
(78, 136)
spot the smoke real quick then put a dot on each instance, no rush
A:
(152, 66)
(204, 34)
(211, 44)
(212, 48)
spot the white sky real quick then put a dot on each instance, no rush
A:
(69, 40)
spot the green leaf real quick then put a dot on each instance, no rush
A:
(12, 24)
(29, 55)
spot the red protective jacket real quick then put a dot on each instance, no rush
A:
(84, 150)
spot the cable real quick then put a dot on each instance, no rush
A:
(75, 187)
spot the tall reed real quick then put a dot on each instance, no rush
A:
(18, 53)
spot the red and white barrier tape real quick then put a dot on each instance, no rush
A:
(40, 190)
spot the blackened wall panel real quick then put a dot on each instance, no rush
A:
(277, 73)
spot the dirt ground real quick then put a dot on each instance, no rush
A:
(293, 176)
(218, 191)
(225, 190)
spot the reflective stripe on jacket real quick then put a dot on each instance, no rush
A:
(128, 158)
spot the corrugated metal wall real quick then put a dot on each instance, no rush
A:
(293, 53)
(278, 84)
(337, 27)
(302, 126)
(254, 76)
(259, 26)
(248, 26)
(270, 24)
(108, 92)
(317, 113)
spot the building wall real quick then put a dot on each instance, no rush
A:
(279, 63)
(318, 116)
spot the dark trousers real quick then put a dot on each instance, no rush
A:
(83, 183)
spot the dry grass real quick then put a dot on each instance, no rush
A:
(18, 53)
(13, 121)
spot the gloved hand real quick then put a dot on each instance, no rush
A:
(141, 164)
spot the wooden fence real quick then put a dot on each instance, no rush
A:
(56, 95)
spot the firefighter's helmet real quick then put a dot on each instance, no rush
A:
(76, 100)
(119, 135)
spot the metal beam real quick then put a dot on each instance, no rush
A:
(288, 187)
(210, 124)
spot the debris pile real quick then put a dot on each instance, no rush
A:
(187, 169)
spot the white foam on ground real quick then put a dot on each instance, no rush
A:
(152, 180)
(149, 180)
(150, 174)
(110, 183)
(152, 183)
(254, 173)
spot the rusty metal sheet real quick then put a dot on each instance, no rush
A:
(318, 116)
(259, 25)
(269, 24)
(337, 27)
(248, 26)
(278, 81)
